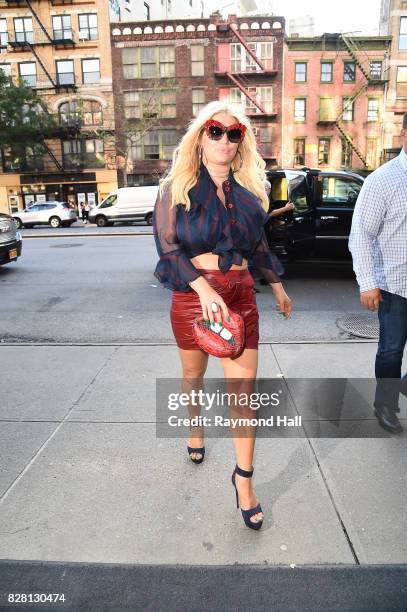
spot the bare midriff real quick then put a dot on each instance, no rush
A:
(209, 261)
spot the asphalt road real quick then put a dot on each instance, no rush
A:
(101, 289)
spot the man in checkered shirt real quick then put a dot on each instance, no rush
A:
(378, 243)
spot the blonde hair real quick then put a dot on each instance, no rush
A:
(248, 167)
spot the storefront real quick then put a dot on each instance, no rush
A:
(19, 191)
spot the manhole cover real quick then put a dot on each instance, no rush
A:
(362, 325)
(65, 246)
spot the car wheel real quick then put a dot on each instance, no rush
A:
(18, 222)
(101, 221)
(149, 219)
(55, 222)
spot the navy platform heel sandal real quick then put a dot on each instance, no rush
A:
(247, 514)
(191, 450)
(201, 451)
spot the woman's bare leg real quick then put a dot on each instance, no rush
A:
(194, 364)
(244, 437)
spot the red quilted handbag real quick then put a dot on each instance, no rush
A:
(224, 339)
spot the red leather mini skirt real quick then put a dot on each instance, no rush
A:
(236, 287)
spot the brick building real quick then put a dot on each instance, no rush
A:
(394, 23)
(62, 49)
(196, 61)
(334, 97)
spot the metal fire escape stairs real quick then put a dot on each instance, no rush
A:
(239, 80)
(32, 46)
(354, 52)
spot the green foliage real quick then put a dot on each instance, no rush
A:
(24, 117)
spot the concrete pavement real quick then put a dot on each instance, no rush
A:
(85, 479)
(82, 468)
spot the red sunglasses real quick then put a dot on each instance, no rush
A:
(215, 130)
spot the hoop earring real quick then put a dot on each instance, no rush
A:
(241, 161)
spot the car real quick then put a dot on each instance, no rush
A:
(53, 213)
(320, 223)
(10, 239)
(126, 204)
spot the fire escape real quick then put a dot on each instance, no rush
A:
(35, 39)
(370, 79)
(243, 78)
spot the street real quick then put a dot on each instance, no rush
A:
(100, 289)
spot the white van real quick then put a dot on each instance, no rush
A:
(126, 204)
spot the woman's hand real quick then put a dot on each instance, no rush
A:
(289, 206)
(284, 304)
(207, 295)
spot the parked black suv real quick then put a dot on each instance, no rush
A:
(319, 226)
(10, 239)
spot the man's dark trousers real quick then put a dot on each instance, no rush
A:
(392, 340)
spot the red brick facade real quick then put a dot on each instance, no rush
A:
(319, 74)
(228, 70)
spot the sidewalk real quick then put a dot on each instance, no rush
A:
(84, 479)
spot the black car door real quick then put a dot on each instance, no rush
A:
(336, 196)
(293, 232)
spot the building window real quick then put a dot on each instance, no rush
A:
(403, 34)
(85, 112)
(166, 58)
(146, 11)
(90, 71)
(402, 81)
(323, 151)
(28, 73)
(242, 61)
(373, 109)
(371, 152)
(22, 159)
(159, 144)
(23, 27)
(347, 109)
(197, 60)
(375, 70)
(86, 153)
(198, 101)
(349, 71)
(168, 103)
(3, 35)
(130, 61)
(264, 95)
(65, 72)
(346, 153)
(148, 62)
(300, 72)
(131, 104)
(150, 103)
(326, 72)
(266, 142)
(326, 109)
(299, 152)
(300, 109)
(61, 25)
(88, 26)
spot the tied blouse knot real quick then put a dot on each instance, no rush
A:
(233, 232)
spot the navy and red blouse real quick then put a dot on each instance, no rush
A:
(233, 232)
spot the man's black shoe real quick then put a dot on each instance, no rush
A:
(388, 420)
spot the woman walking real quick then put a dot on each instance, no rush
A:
(208, 225)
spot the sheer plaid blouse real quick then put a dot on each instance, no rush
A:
(234, 232)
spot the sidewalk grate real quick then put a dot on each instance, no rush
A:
(362, 325)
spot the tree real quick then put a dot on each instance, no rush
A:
(25, 122)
